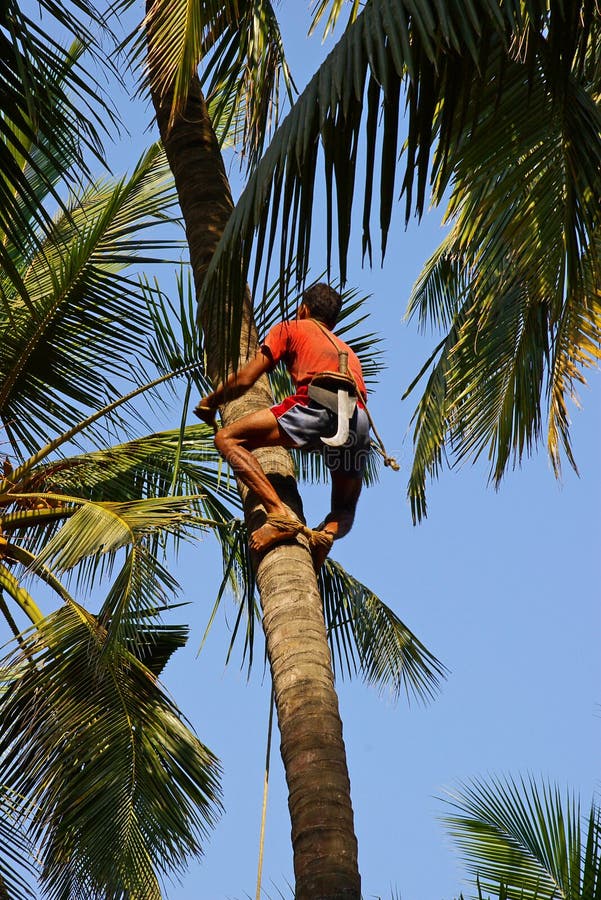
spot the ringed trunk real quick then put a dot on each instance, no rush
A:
(323, 838)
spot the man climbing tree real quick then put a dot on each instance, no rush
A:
(326, 413)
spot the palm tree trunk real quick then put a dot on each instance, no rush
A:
(324, 843)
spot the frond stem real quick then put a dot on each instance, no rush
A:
(23, 598)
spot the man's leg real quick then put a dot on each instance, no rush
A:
(235, 443)
(339, 521)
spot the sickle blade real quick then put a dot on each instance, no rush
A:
(346, 408)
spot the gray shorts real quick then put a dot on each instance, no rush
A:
(306, 425)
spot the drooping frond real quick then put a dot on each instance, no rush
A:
(528, 837)
(113, 787)
(239, 578)
(516, 282)
(90, 541)
(367, 637)
(105, 527)
(577, 347)
(175, 341)
(145, 468)
(440, 57)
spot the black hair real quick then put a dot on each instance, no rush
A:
(323, 302)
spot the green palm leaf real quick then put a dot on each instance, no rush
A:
(436, 54)
(42, 159)
(320, 9)
(16, 868)
(366, 636)
(105, 527)
(138, 477)
(112, 784)
(143, 468)
(528, 837)
(175, 341)
(241, 48)
(52, 112)
(77, 292)
(91, 538)
(516, 280)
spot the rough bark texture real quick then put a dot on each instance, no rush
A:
(324, 843)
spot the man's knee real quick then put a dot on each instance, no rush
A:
(225, 443)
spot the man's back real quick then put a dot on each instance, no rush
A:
(308, 348)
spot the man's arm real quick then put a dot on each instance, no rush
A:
(234, 386)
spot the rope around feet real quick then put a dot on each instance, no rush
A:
(320, 542)
(289, 526)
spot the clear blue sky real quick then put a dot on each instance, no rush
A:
(502, 586)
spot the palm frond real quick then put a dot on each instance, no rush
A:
(44, 160)
(140, 470)
(440, 290)
(386, 41)
(53, 112)
(37, 522)
(90, 540)
(527, 836)
(366, 636)
(176, 340)
(104, 527)
(523, 257)
(577, 347)
(239, 577)
(321, 7)
(431, 419)
(143, 468)
(113, 786)
(78, 295)
(449, 62)
(154, 644)
(17, 870)
(242, 72)
(242, 54)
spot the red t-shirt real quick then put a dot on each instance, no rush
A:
(306, 351)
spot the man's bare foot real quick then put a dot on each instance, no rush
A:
(269, 534)
(320, 544)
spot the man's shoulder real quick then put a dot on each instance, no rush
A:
(289, 330)
(278, 339)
